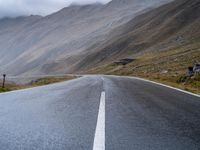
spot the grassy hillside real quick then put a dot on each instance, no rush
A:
(163, 43)
(168, 66)
(167, 27)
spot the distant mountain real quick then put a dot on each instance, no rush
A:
(171, 25)
(58, 42)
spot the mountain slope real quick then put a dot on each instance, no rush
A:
(163, 28)
(53, 44)
(162, 44)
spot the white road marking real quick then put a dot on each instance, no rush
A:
(99, 138)
(146, 80)
(197, 95)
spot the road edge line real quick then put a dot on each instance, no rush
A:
(164, 85)
(157, 83)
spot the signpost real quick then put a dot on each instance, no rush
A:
(4, 79)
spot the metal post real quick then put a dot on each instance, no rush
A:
(4, 79)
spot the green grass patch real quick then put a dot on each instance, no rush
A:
(4, 90)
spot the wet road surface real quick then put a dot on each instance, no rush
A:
(98, 113)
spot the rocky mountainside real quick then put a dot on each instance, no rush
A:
(58, 42)
(55, 43)
(172, 25)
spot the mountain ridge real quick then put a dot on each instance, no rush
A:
(61, 39)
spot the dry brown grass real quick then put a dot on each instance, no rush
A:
(165, 67)
(10, 86)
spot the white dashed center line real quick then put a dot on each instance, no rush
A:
(99, 138)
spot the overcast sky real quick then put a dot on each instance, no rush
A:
(13, 8)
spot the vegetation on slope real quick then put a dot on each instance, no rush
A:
(167, 67)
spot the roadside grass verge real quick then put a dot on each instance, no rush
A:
(11, 86)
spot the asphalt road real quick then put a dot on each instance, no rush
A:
(98, 113)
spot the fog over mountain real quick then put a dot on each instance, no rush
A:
(57, 43)
(14, 8)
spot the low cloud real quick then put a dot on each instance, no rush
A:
(14, 8)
